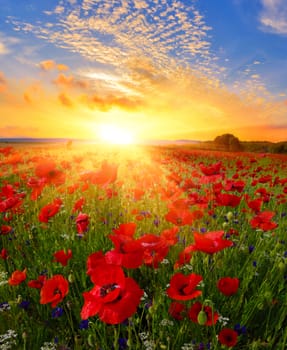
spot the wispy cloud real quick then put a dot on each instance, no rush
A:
(6, 43)
(273, 17)
(170, 32)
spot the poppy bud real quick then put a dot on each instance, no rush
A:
(201, 318)
(229, 215)
(71, 278)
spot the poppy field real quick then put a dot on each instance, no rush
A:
(142, 247)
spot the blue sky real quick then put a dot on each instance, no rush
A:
(227, 59)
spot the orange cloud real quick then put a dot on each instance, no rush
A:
(70, 82)
(105, 103)
(48, 65)
(65, 100)
(3, 82)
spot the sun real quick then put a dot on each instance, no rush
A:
(114, 134)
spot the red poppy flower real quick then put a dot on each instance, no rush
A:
(228, 285)
(47, 170)
(154, 249)
(114, 297)
(128, 252)
(94, 260)
(62, 257)
(182, 216)
(263, 221)
(228, 200)
(49, 210)
(10, 203)
(38, 283)
(127, 229)
(106, 175)
(82, 223)
(4, 254)
(5, 230)
(37, 186)
(209, 243)
(177, 310)
(212, 169)
(54, 290)
(182, 287)
(211, 316)
(254, 204)
(17, 277)
(228, 337)
(78, 206)
(170, 235)
(234, 186)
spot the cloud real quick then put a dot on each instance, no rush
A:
(106, 103)
(65, 100)
(3, 82)
(49, 65)
(169, 32)
(273, 17)
(7, 43)
(70, 82)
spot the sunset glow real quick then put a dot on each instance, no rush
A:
(114, 134)
(167, 69)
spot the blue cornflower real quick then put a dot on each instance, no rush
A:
(57, 312)
(251, 248)
(24, 304)
(84, 324)
(240, 329)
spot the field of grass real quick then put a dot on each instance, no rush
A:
(142, 248)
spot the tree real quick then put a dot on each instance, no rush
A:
(228, 142)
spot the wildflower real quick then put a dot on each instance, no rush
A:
(154, 249)
(49, 210)
(263, 221)
(228, 200)
(183, 287)
(57, 312)
(5, 230)
(240, 329)
(128, 252)
(228, 337)
(46, 170)
(106, 175)
(4, 254)
(210, 243)
(8, 340)
(177, 310)
(54, 290)
(228, 285)
(4, 306)
(17, 277)
(48, 346)
(211, 315)
(82, 223)
(38, 283)
(114, 297)
(24, 304)
(84, 324)
(62, 257)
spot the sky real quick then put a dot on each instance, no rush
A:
(159, 69)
